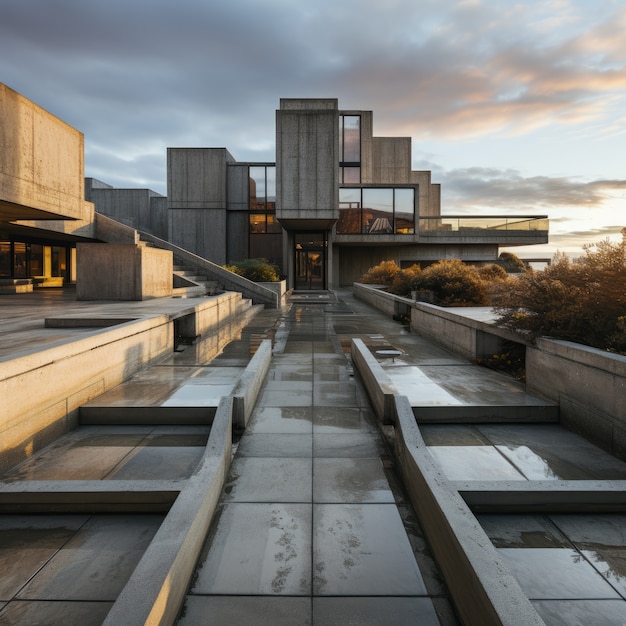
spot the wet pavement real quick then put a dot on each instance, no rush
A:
(313, 525)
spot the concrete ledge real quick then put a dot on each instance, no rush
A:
(15, 285)
(482, 587)
(147, 415)
(548, 496)
(486, 413)
(88, 496)
(156, 590)
(378, 385)
(249, 384)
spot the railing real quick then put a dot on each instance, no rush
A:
(227, 279)
(438, 225)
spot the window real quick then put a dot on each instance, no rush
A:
(350, 148)
(376, 210)
(265, 238)
(262, 199)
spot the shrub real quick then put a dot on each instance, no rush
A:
(257, 270)
(582, 300)
(453, 283)
(511, 263)
(382, 274)
(406, 281)
(492, 272)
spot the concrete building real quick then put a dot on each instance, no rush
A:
(336, 201)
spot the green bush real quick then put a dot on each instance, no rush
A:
(582, 300)
(382, 274)
(257, 270)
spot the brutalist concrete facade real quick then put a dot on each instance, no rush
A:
(339, 198)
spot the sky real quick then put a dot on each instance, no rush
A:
(518, 108)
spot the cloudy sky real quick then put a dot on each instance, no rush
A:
(516, 107)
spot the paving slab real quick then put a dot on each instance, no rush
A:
(351, 480)
(286, 420)
(52, 612)
(258, 479)
(363, 550)
(96, 562)
(247, 611)
(374, 611)
(538, 451)
(120, 453)
(258, 549)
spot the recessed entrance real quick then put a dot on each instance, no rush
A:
(310, 260)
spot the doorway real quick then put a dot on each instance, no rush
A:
(310, 260)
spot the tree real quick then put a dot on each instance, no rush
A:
(582, 300)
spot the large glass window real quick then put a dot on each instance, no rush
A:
(376, 210)
(350, 148)
(265, 239)
(262, 202)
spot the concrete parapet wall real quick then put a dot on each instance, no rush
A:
(377, 384)
(122, 272)
(482, 588)
(226, 279)
(589, 385)
(156, 590)
(247, 388)
(48, 387)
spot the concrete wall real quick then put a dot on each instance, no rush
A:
(391, 160)
(138, 208)
(307, 160)
(48, 387)
(41, 161)
(122, 272)
(197, 201)
(481, 585)
(588, 384)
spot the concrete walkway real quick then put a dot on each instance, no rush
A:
(312, 525)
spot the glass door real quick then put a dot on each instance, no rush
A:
(310, 259)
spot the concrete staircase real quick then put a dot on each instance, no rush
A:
(189, 283)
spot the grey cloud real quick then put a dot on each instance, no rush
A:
(508, 189)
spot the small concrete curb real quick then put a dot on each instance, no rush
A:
(482, 587)
(249, 384)
(379, 387)
(157, 588)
